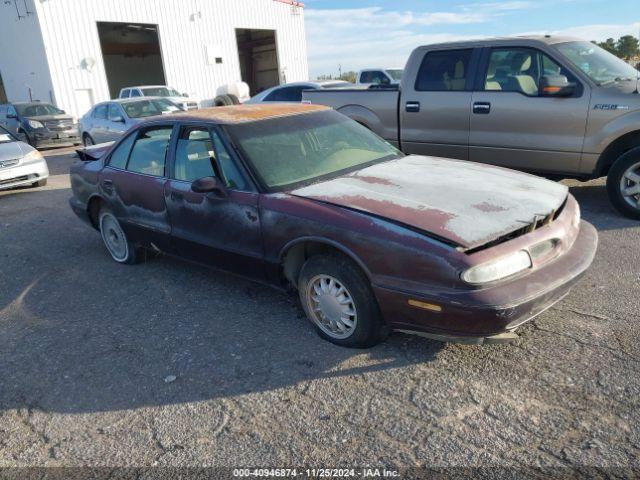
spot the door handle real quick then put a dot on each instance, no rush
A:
(412, 107)
(177, 196)
(482, 108)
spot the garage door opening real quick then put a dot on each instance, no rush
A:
(131, 53)
(258, 59)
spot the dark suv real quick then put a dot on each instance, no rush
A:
(39, 124)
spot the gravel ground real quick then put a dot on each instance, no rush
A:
(89, 350)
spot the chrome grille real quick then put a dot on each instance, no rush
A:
(58, 125)
(9, 163)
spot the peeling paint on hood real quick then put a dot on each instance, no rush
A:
(467, 203)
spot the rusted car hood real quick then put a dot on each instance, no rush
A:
(466, 203)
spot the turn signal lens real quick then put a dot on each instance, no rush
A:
(498, 269)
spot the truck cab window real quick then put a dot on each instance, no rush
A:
(444, 70)
(519, 70)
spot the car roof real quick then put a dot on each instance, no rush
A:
(500, 41)
(235, 114)
(146, 86)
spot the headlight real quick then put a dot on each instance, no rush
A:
(497, 269)
(35, 124)
(32, 156)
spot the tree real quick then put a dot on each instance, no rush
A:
(609, 45)
(627, 47)
(349, 77)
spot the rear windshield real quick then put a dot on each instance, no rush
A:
(290, 151)
(149, 108)
(159, 92)
(37, 110)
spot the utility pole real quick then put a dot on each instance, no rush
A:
(340, 71)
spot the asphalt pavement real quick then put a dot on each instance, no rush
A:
(170, 364)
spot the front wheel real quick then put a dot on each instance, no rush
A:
(338, 300)
(116, 241)
(87, 140)
(623, 184)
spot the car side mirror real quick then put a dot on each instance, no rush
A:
(556, 86)
(210, 185)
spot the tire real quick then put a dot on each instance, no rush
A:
(222, 101)
(87, 141)
(39, 183)
(234, 100)
(115, 239)
(623, 184)
(345, 294)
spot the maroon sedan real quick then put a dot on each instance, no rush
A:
(373, 240)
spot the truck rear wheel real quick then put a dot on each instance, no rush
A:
(623, 184)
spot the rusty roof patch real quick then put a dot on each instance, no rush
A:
(246, 113)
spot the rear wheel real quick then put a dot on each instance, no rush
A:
(114, 238)
(87, 141)
(338, 300)
(623, 184)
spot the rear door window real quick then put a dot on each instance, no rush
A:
(100, 112)
(120, 155)
(444, 71)
(114, 112)
(125, 93)
(149, 152)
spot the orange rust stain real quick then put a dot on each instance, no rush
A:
(248, 113)
(488, 207)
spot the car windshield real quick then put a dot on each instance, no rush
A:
(160, 92)
(5, 136)
(148, 108)
(37, 109)
(601, 66)
(395, 73)
(289, 151)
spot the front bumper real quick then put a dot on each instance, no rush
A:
(47, 138)
(23, 174)
(493, 316)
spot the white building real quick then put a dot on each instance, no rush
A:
(74, 53)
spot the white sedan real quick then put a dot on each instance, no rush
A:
(20, 163)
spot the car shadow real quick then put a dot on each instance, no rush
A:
(597, 210)
(80, 333)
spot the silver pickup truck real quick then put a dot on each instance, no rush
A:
(560, 107)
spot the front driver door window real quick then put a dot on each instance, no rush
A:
(222, 230)
(513, 126)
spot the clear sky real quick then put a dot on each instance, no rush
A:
(358, 33)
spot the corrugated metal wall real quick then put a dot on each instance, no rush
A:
(185, 28)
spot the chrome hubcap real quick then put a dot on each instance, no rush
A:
(113, 237)
(331, 306)
(630, 185)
